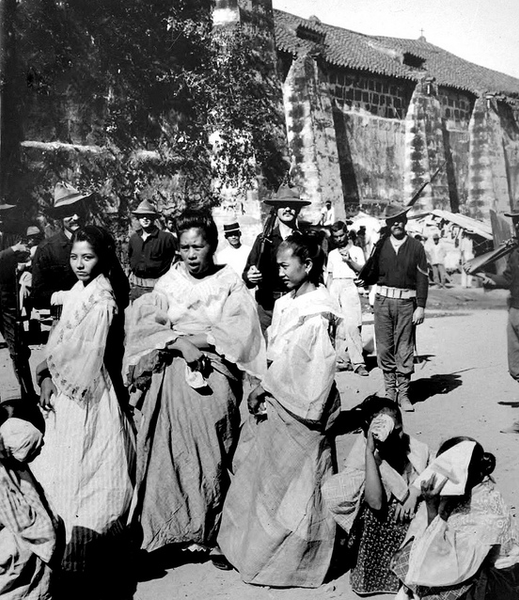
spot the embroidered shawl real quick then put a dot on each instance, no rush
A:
(76, 347)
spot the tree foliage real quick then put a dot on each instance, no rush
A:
(149, 82)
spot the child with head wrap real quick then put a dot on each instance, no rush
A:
(28, 529)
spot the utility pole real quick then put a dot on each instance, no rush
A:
(9, 142)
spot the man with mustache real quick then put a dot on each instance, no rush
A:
(261, 269)
(402, 286)
(51, 271)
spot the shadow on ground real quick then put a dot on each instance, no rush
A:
(440, 383)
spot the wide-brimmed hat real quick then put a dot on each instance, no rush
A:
(33, 231)
(231, 229)
(394, 210)
(287, 196)
(146, 209)
(512, 214)
(65, 195)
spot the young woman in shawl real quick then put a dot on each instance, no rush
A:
(188, 345)
(372, 499)
(86, 463)
(463, 542)
(275, 529)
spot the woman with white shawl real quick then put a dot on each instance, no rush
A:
(85, 466)
(188, 345)
(275, 529)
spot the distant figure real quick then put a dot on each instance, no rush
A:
(10, 317)
(151, 251)
(235, 254)
(261, 269)
(327, 214)
(437, 253)
(344, 264)
(466, 254)
(33, 238)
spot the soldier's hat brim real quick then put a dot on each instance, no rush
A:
(286, 196)
(512, 215)
(146, 209)
(393, 211)
(65, 196)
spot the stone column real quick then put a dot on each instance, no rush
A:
(487, 182)
(424, 150)
(311, 138)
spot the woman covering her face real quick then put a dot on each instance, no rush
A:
(372, 499)
(463, 542)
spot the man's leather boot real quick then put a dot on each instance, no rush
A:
(403, 382)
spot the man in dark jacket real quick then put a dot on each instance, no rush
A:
(402, 286)
(151, 251)
(10, 324)
(51, 270)
(261, 269)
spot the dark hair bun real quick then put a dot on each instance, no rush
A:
(488, 463)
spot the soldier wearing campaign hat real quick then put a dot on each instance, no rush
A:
(261, 269)
(402, 286)
(151, 250)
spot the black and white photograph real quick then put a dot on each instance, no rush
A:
(259, 299)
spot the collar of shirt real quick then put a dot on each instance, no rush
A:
(285, 231)
(153, 233)
(397, 244)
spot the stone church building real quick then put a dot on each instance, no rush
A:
(370, 118)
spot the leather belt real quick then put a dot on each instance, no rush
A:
(393, 292)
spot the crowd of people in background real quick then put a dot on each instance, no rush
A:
(139, 444)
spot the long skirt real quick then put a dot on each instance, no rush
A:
(275, 528)
(185, 442)
(85, 469)
(378, 539)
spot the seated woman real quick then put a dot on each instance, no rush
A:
(463, 542)
(371, 498)
(188, 344)
(275, 528)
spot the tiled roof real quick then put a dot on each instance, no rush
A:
(385, 56)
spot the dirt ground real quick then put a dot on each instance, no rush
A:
(460, 380)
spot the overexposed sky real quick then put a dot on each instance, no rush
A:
(486, 32)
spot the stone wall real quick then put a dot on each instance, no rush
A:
(389, 136)
(366, 92)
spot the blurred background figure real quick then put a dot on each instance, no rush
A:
(151, 251)
(235, 254)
